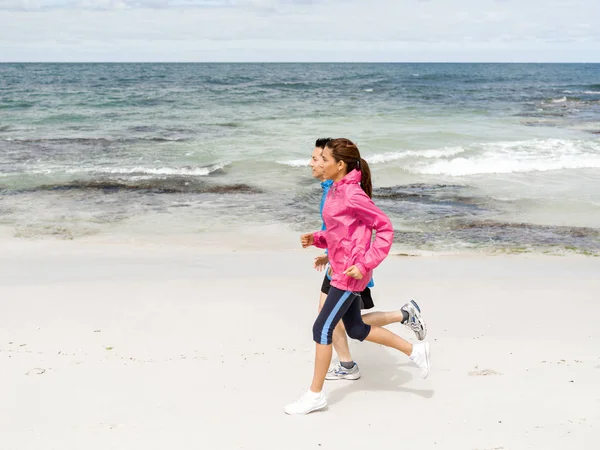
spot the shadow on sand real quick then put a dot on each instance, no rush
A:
(381, 370)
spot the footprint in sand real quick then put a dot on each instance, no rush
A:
(483, 373)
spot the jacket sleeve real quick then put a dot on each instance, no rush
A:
(376, 219)
(319, 239)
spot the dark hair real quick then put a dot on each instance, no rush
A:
(345, 150)
(322, 142)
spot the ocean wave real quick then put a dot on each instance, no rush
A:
(592, 92)
(537, 155)
(163, 139)
(92, 141)
(16, 105)
(287, 85)
(559, 100)
(133, 172)
(462, 166)
(229, 124)
(185, 171)
(295, 162)
(379, 158)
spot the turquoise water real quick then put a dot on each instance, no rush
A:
(464, 156)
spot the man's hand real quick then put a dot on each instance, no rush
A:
(353, 272)
(321, 262)
(307, 240)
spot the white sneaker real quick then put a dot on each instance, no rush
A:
(309, 402)
(415, 322)
(339, 372)
(420, 356)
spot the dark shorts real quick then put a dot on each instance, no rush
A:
(344, 306)
(366, 299)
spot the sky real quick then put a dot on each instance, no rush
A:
(300, 30)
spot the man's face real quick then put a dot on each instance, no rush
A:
(316, 163)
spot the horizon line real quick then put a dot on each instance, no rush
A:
(299, 62)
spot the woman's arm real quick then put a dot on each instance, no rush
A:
(319, 239)
(374, 218)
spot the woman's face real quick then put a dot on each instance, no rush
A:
(332, 169)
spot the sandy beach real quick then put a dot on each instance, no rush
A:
(108, 345)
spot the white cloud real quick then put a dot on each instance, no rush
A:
(331, 30)
(20, 5)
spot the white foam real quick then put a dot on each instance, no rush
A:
(201, 171)
(592, 92)
(462, 166)
(520, 156)
(190, 171)
(559, 100)
(147, 172)
(368, 90)
(295, 162)
(379, 158)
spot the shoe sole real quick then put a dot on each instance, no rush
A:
(421, 321)
(316, 408)
(344, 377)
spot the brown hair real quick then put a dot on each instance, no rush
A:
(345, 150)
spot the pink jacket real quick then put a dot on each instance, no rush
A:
(350, 217)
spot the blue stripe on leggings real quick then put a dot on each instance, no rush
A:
(332, 316)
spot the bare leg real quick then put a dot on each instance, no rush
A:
(382, 318)
(386, 337)
(340, 343)
(339, 338)
(322, 362)
(378, 335)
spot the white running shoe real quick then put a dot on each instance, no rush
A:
(339, 372)
(420, 356)
(309, 402)
(415, 322)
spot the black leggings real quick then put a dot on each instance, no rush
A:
(344, 305)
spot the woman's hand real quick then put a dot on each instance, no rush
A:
(321, 262)
(307, 240)
(353, 272)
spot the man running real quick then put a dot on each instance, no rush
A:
(409, 314)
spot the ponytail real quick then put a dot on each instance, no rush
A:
(343, 149)
(365, 180)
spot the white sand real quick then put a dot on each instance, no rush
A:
(166, 347)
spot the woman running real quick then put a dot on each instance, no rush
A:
(351, 217)
(409, 314)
